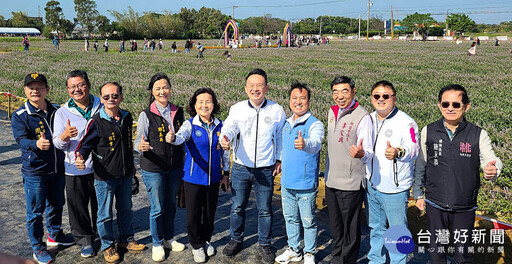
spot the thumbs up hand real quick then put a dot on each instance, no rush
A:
(391, 152)
(490, 170)
(69, 132)
(79, 161)
(43, 143)
(224, 143)
(169, 137)
(144, 145)
(357, 151)
(299, 141)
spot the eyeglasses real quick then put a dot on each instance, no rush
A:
(455, 105)
(80, 86)
(384, 96)
(259, 86)
(107, 96)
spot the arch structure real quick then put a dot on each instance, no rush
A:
(287, 32)
(233, 24)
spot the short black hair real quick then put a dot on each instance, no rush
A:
(258, 72)
(385, 84)
(343, 79)
(191, 109)
(301, 86)
(157, 77)
(119, 87)
(454, 87)
(78, 73)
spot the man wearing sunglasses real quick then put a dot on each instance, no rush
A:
(447, 174)
(390, 171)
(349, 144)
(108, 139)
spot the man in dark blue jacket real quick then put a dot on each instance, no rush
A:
(108, 139)
(42, 167)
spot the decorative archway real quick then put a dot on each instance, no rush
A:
(233, 24)
(287, 32)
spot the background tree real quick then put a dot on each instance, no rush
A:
(19, 19)
(419, 22)
(128, 23)
(53, 15)
(3, 23)
(460, 23)
(66, 26)
(103, 24)
(86, 14)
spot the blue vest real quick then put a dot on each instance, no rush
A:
(299, 168)
(203, 160)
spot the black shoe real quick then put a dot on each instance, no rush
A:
(266, 254)
(232, 248)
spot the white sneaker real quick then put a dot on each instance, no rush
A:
(309, 258)
(289, 255)
(174, 245)
(158, 253)
(210, 249)
(199, 255)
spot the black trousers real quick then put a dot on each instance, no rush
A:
(344, 219)
(438, 219)
(80, 193)
(201, 203)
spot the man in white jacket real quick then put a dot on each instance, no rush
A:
(255, 126)
(69, 128)
(390, 172)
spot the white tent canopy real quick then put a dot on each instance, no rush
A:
(11, 30)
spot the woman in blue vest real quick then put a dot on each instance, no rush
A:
(161, 163)
(204, 162)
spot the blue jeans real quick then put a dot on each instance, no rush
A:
(106, 190)
(43, 193)
(162, 188)
(242, 180)
(299, 206)
(385, 208)
(187, 50)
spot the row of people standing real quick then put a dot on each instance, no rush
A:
(262, 140)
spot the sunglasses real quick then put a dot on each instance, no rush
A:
(455, 105)
(107, 96)
(384, 96)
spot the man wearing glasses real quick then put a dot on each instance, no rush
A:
(108, 139)
(447, 174)
(349, 145)
(390, 171)
(69, 128)
(255, 126)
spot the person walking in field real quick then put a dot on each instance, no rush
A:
(25, 44)
(105, 45)
(206, 169)
(302, 140)
(447, 174)
(472, 49)
(86, 44)
(174, 47)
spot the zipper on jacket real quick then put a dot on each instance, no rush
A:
(122, 145)
(256, 141)
(191, 166)
(375, 145)
(51, 134)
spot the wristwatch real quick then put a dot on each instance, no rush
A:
(401, 152)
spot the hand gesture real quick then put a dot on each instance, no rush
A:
(420, 204)
(144, 145)
(224, 143)
(169, 137)
(490, 170)
(79, 161)
(69, 132)
(357, 151)
(277, 169)
(224, 184)
(43, 143)
(391, 152)
(299, 142)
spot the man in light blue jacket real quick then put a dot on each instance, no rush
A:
(302, 141)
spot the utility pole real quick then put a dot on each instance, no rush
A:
(368, 22)
(392, 24)
(233, 16)
(359, 32)
(320, 26)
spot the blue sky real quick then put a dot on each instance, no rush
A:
(490, 12)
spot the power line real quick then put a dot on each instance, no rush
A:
(291, 5)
